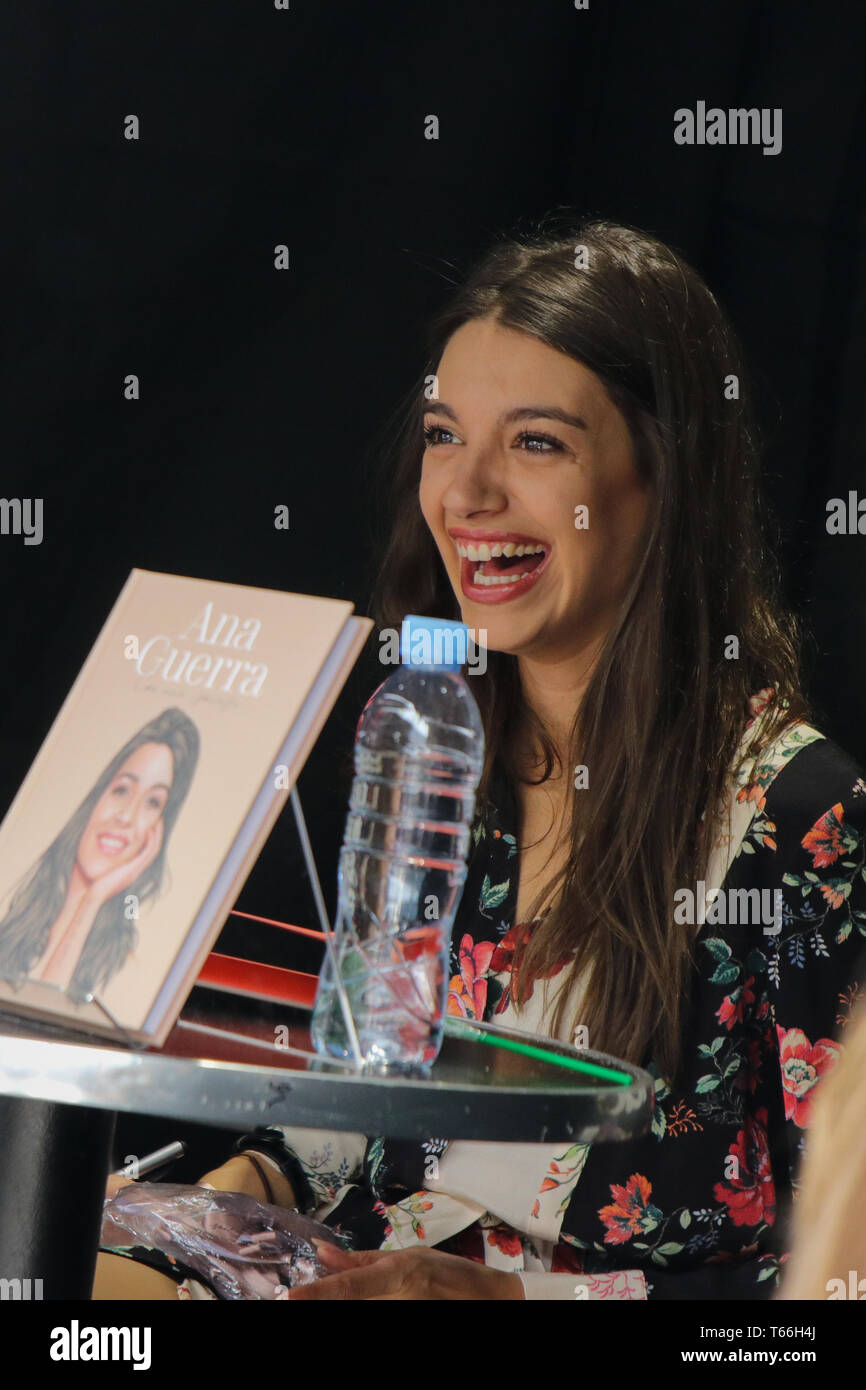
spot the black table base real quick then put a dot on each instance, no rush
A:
(54, 1161)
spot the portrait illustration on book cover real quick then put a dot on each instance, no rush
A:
(72, 921)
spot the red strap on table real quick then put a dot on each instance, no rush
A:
(251, 977)
(286, 926)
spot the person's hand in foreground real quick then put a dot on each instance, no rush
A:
(411, 1274)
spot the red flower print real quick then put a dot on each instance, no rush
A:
(753, 792)
(768, 839)
(732, 1009)
(802, 1064)
(630, 1213)
(382, 1210)
(730, 1257)
(827, 839)
(620, 1284)
(508, 952)
(751, 1196)
(508, 955)
(759, 701)
(564, 1259)
(749, 1076)
(467, 992)
(505, 1239)
(832, 895)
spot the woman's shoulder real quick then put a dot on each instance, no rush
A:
(800, 817)
(792, 765)
(809, 775)
(806, 845)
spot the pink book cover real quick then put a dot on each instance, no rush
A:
(144, 810)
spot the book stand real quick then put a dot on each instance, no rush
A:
(89, 1001)
(329, 941)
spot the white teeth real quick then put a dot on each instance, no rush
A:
(483, 551)
(480, 578)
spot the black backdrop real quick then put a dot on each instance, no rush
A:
(305, 126)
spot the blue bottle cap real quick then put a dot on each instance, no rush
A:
(433, 643)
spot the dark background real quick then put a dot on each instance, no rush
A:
(261, 387)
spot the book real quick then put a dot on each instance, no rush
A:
(141, 816)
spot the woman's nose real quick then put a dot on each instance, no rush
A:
(476, 481)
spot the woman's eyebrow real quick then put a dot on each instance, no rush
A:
(520, 412)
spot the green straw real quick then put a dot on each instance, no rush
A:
(543, 1054)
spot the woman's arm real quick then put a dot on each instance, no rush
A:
(251, 1173)
(316, 1163)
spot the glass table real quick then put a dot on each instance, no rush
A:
(235, 1063)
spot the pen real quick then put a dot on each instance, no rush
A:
(137, 1167)
(457, 1028)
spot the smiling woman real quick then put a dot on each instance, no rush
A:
(645, 734)
(583, 459)
(67, 923)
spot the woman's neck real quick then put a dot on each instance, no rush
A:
(553, 691)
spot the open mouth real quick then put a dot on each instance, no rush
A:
(502, 564)
(500, 571)
(111, 844)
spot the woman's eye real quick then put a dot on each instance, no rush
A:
(541, 439)
(430, 431)
(155, 803)
(547, 441)
(120, 790)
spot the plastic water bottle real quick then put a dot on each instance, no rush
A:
(419, 750)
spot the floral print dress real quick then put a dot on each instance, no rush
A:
(695, 1208)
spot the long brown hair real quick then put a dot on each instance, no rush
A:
(38, 900)
(660, 720)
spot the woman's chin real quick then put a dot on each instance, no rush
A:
(489, 644)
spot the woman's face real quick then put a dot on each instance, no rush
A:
(520, 437)
(132, 802)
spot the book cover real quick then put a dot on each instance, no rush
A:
(144, 810)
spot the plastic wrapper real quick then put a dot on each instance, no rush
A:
(241, 1247)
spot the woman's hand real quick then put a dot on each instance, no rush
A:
(116, 880)
(59, 963)
(412, 1274)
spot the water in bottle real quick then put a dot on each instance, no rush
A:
(419, 750)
